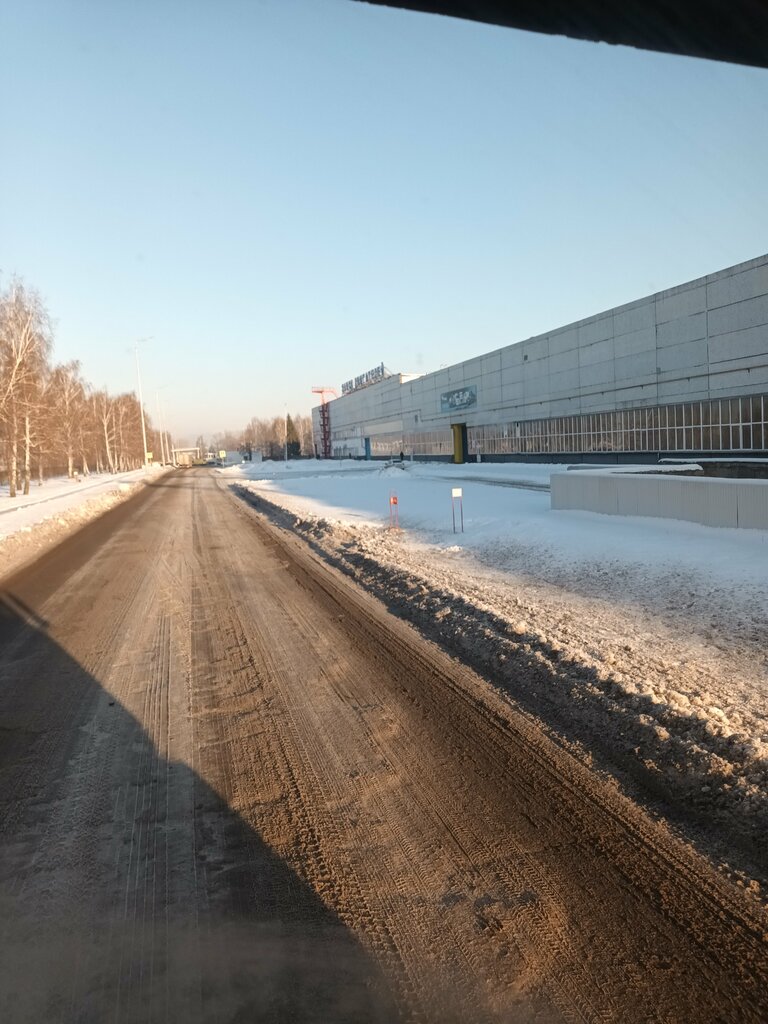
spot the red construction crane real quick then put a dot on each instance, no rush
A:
(325, 419)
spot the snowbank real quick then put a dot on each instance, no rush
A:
(638, 642)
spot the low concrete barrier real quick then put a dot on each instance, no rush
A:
(705, 500)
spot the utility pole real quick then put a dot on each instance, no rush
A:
(141, 400)
(286, 436)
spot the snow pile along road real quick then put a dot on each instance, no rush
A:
(639, 643)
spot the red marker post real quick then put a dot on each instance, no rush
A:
(456, 493)
(394, 521)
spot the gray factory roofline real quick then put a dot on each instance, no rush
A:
(702, 341)
(625, 308)
(736, 32)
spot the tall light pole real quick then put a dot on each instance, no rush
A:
(141, 400)
(165, 434)
(163, 446)
(286, 436)
(168, 440)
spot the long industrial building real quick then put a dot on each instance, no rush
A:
(681, 371)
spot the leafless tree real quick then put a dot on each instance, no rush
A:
(69, 403)
(104, 415)
(128, 432)
(269, 436)
(25, 345)
(50, 413)
(303, 426)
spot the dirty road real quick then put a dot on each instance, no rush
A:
(234, 788)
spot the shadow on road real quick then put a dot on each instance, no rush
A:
(129, 890)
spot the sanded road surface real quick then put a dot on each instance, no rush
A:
(233, 788)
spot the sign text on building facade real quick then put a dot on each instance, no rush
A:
(370, 377)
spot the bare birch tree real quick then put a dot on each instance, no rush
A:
(104, 415)
(68, 397)
(25, 345)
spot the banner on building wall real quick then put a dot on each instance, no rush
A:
(461, 398)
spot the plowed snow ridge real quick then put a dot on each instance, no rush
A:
(658, 677)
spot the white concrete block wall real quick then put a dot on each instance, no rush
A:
(648, 496)
(739, 504)
(753, 504)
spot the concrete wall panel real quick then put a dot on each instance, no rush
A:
(596, 329)
(636, 395)
(747, 344)
(648, 498)
(471, 368)
(718, 503)
(567, 360)
(492, 396)
(536, 349)
(638, 365)
(753, 504)
(688, 355)
(492, 364)
(680, 302)
(597, 374)
(599, 352)
(638, 316)
(564, 407)
(634, 343)
(512, 356)
(627, 495)
(677, 332)
(732, 382)
(736, 287)
(739, 317)
(565, 382)
(607, 495)
(563, 341)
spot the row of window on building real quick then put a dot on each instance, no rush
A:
(730, 424)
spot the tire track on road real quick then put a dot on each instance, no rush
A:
(680, 911)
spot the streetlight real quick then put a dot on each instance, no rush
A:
(164, 453)
(141, 400)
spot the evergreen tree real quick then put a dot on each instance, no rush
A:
(294, 444)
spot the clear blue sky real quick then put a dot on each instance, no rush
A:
(287, 192)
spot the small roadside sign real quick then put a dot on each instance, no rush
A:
(394, 521)
(457, 495)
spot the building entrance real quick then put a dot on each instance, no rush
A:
(460, 444)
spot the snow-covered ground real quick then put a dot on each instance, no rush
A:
(640, 641)
(31, 523)
(57, 496)
(506, 523)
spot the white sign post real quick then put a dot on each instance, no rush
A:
(456, 492)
